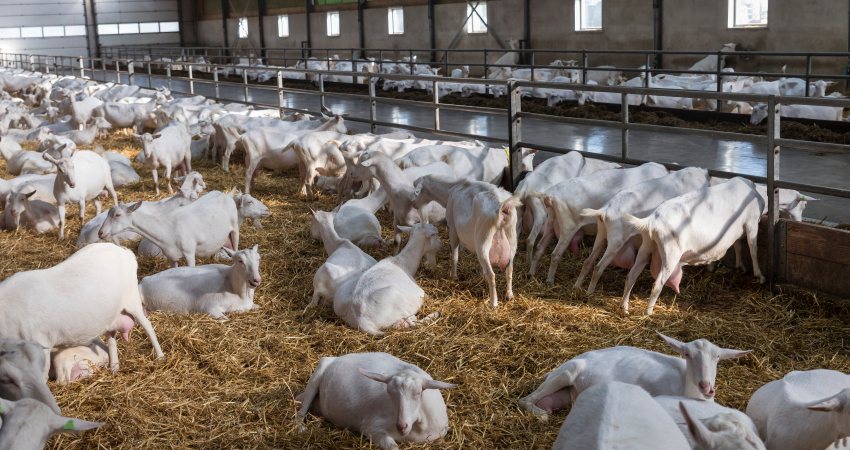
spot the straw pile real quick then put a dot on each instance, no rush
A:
(230, 384)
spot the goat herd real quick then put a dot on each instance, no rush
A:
(622, 397)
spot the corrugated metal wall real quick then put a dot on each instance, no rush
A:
(137, 11)
(69, 14)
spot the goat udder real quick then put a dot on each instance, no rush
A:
(500, 251)
(574, 243)
(625, 258)
(556, 401)
(675, 278)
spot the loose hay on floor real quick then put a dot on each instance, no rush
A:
(230, 384)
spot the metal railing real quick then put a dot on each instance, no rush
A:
(121, 70)
(533, 59)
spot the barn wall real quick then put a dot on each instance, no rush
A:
(124, 11)
(627, 25)
(18, 13)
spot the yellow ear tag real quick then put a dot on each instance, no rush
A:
(69, 425)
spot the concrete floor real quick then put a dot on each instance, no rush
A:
(741, 156)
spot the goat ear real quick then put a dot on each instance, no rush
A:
(30, 194)
(48, 157)
(157, 136)
(403, 229)
(229, 252)
(677, 345)
(830, 404)
(6, 406)
(366, 163)
(135, 206)
(434, 384)
(728, 353)
(256, 248)
(312, 212)
(374, 375)
(701, 434)
(66, 424)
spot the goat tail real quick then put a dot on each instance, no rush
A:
(642, 225)
(507, 209)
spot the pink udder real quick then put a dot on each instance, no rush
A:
(675, 278)
(123, 324)
(575, 241)
(500, 251)
(625, 259)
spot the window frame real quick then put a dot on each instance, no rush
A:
(579, 25)
(392, 30)
(330, 18)
(242, 30)
(474, 24)
(732, 9)
(282, 19)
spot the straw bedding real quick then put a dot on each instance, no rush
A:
(231, 384)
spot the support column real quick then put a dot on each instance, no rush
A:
(225, 13)
(658, 29)
(431, 30)
(92, 36)
(361, 5)
(261, 13)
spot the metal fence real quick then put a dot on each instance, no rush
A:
(532, 60)
(125, 71)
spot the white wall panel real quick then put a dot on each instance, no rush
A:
(135, 11)
(39, 13)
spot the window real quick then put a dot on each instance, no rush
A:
(282, 26)
(75, 30)
(174, 27)
(108, 28)
(747, 13)
(10, 33)
(30, 32)
(588, 15)
(128, 28)
(477, 16)
(395, 18)
(149, 27)
(242, 25)
(54, 31)
(333, 23)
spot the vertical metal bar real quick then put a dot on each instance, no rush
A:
(514, 132)
(261, 15)
(168, 74)
(808, 72)
(485, 64)
(432, 33)
(32, 63)
(322, 92)
(191, 81)
(773, 133)
(624, 122)
(436, 104)
(82, 68)
(719, 105)
(646, 73)
(245, 84)
(412, 68)
(216, 83)
(131, 72)
(373, 104)
(280, 99)
(150, 76)
(584, 61)
(103, 68)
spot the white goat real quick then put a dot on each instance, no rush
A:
(37, 215)
(386, 295)
(28, 424)
(75, 363)
(169, 148)
(345, 259)
(660, 374)
(213, 289)
(199, 229)
(384, 398)
(713, 418)
(639, 200)
(79, 178)
(565, 201)
(94, 291)
(614, 415)
(695, 228)
(482, 218)
(804, 410)
(22, 366)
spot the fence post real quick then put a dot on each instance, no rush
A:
(32, 63)
(373, 104)
(773, 133)
(168, 74)
(808, 72)
(215, 82)
(624, 122)
(435, 85)
(514, 132)
(245, 84)
(82, 68)
(280, 93)
(131, 72)
(117, 70)
(646, 73)
(322, 92)
(191, 81)
(150, 76)
(584, 61)
(719, 106)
